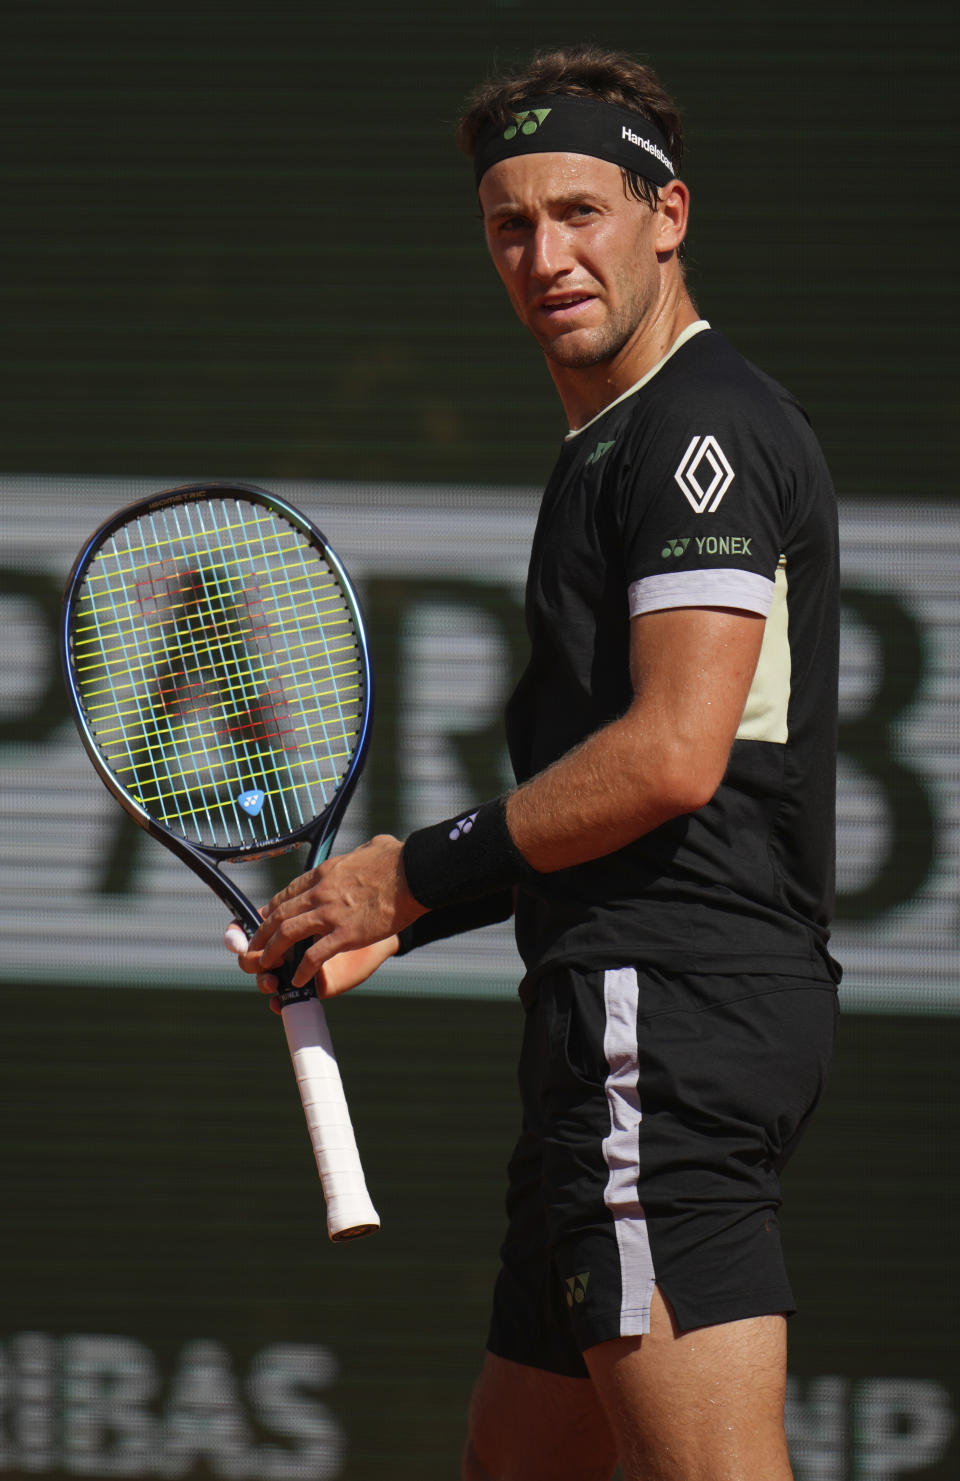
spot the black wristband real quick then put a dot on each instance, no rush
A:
(464, 857)
(454, 920)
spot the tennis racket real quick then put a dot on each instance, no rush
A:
(218, 671)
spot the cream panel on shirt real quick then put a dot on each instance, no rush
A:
(765, 713)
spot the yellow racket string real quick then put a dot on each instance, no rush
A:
(220, 671)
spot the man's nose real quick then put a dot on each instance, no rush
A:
(551, 250)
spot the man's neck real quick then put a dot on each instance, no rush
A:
(586, 391)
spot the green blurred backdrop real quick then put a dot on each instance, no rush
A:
(240, 243)
(239, 236)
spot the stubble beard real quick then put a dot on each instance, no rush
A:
(583, 349)
(604, 346)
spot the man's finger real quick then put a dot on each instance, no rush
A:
(235, 938)
(324, 948)
(296, 887)
(275, 917)
(287, 933)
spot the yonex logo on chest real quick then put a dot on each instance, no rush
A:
(704, 474)
(600, 451)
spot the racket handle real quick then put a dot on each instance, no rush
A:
(350, 1213)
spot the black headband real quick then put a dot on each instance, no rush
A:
(561, 123)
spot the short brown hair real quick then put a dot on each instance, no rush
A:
(583, 71)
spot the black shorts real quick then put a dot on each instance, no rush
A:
(658, 1112)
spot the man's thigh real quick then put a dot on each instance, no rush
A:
(530, 1425)
(703, 1405)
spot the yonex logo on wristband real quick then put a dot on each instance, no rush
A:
(439, 874)
(526, 123)
(703, 497)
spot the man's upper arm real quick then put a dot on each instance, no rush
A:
(691, 670)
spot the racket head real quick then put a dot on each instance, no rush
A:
(217, 666)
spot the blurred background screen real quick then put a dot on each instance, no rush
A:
(240, 243)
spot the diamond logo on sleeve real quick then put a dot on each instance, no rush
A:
(704, 474)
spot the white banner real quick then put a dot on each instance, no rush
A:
(85, 898)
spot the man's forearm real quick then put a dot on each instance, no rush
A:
(666, 755)
(620, 783)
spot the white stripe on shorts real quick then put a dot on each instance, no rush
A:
(621, 1150)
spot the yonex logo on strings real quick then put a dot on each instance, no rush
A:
(648, 145)
(526, 123)
(703, 497)
(462, 826)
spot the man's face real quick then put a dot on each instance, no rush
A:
(577, 256)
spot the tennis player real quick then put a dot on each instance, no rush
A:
(669, 845)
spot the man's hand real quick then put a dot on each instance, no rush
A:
(352, 902)
(336, 976)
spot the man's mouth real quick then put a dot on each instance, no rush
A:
(565, 303)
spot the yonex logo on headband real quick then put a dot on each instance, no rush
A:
(525, 123)
(561, 123)
(664, 159)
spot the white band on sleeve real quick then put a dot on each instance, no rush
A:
(715, 588)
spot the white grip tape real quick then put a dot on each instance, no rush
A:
(349, 1210)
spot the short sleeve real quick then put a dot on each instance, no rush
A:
(703, 501)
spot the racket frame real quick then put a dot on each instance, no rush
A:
(205, 860)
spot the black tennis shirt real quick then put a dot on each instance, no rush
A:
(702, 486)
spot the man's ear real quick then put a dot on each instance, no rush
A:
(673, 213)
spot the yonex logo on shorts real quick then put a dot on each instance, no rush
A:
(675, 547)
(576, 1288)
(702, 495)
(526, 123)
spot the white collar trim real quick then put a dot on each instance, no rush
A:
(696, 328)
